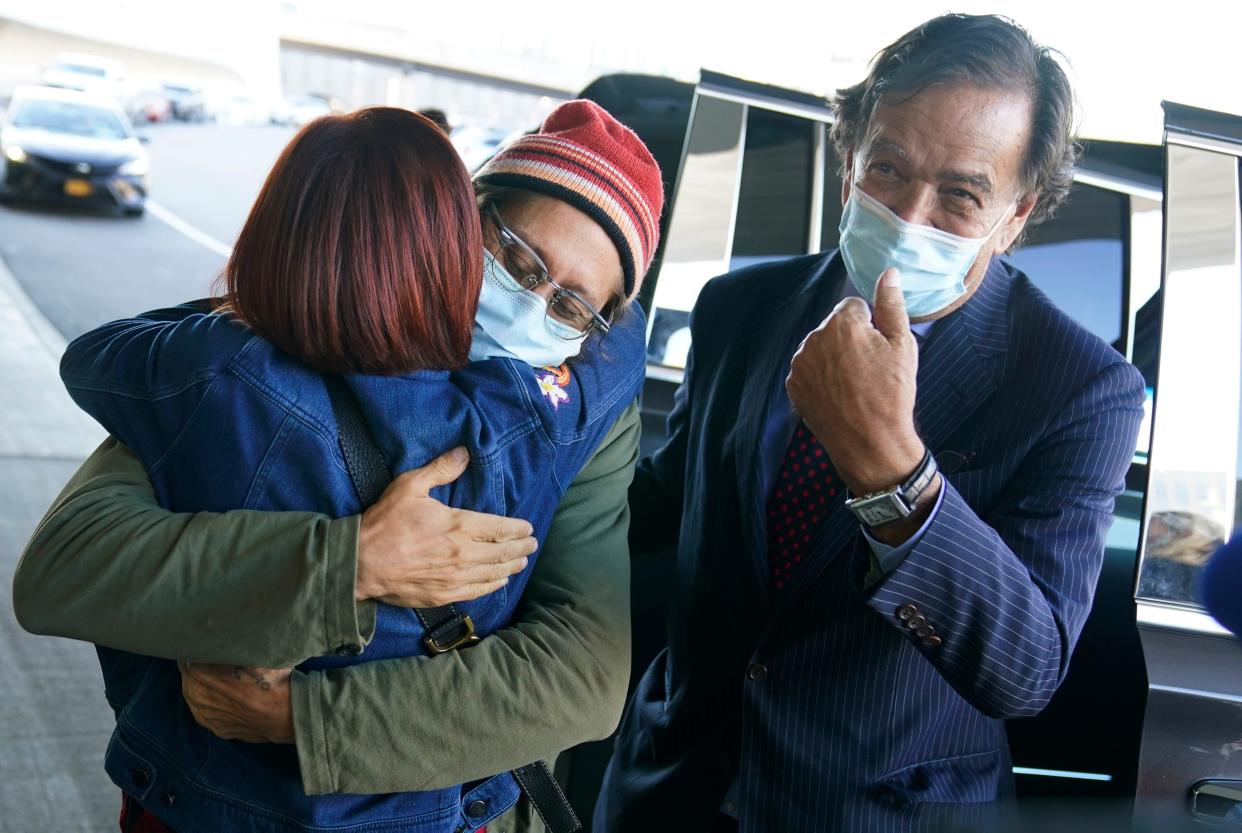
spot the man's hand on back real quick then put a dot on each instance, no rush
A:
(414, 551)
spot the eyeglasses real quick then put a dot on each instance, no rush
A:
(564, 306)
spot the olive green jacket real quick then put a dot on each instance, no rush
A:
(271, 589)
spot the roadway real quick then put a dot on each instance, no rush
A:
(82, 268)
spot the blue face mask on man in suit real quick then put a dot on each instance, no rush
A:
(933, 263)
(513, 322)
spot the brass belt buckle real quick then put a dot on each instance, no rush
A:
(466, 638)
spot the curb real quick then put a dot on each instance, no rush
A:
(43, 329)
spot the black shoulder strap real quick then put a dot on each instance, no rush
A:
(447, 629)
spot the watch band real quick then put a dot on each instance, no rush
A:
(893, 504)
(922, 477)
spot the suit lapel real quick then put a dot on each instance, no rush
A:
(769, 347)
(959, 368)
(960, 365)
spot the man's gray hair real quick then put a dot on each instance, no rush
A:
(985, 51)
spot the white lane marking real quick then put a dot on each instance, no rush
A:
(197, 235)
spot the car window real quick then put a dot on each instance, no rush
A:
(700, 226)
(774, 194)
(71, 118)
(1078, 259)
(726, 219)
(1193, 492)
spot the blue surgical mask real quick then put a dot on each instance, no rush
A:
(933, 263)
(512, 323)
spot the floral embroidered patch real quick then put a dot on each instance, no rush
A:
(553, 384)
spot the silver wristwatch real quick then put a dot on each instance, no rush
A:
(888, 505)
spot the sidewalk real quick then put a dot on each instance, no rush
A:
(54, 722)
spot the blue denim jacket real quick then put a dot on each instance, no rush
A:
(222, 420)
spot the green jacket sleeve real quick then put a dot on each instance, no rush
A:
(109, 566)
(555, 677)
(288, 594)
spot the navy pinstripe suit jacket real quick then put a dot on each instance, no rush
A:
(857, 725)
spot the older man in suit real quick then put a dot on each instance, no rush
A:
(889, 519)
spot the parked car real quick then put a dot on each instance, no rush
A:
(185, 101)
(68, 146)
(237, 108)
(88, 73)
(147, 105)
(302, 108)
(1147, 254)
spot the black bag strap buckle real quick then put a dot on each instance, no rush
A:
(458, 632)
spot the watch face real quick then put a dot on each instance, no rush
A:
(875, 514)
(879, 509)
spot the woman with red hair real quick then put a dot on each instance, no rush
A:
(360, 285)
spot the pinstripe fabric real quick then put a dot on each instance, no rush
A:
(856, 725)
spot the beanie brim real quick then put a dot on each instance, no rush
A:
(592, 209)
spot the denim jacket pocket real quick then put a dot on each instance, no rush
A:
(961, 779)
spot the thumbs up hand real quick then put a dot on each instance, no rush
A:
(853, 381)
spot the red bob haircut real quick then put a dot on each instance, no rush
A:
(363, 252)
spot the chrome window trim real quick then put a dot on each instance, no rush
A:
(1195, 692)
(1061, 773)
(764, 102)
(665, 373)
(1203, 143)
(814, 234)
(1117, 185)
(1171, 617)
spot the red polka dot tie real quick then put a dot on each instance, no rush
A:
(805, 493)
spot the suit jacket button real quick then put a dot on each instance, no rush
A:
(932, 641)
(923, 633)
(916, 621)
(476, 809)
(906, 612)
(141, 776)
(757, 672)
(348, 651)
(170, 798)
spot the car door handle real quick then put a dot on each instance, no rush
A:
(1217, 801)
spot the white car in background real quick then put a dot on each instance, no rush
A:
(88, 73)
(302, 108)
(236, 107)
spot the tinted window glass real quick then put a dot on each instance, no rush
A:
(774, 196)
(698, 234)
(1078, 259)
(71, 118)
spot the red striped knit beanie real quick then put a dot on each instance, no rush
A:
(587, 158)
